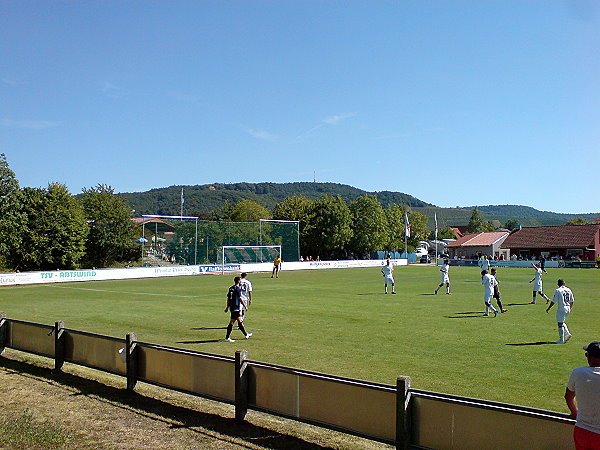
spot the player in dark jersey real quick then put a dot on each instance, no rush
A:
(497, 292)
(234, 303)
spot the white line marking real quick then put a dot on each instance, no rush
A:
(125, 292)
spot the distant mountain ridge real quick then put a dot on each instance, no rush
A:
(202, 200)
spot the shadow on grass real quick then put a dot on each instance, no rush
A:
(532, 343)
(206, 341)
(466, 315)
(518, 304)
(163, 412)
(208, 328)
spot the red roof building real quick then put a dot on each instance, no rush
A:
(472, 246)
(457, 232)
(566, 241)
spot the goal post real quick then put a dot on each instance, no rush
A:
(238, 254)
(194, 241)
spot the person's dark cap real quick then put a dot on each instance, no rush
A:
(593, 348)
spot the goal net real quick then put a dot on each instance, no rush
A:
(236, 254)
(202, 241)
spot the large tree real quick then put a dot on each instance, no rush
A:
(369, 225)
(330, 230)
(297, 208)
(249, 211)
(67, 225)
(418, 229)
(394, 215)
(12, 217)
(577, 221)
(112, 233)
(29, 254)
(511, 224)
(55, 230)
(444, 233)
(477, 224)
(396, 228)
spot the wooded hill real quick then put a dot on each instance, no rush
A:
(204, 200)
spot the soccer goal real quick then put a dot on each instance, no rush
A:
(236, 254)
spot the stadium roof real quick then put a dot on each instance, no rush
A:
(563, 236)
(153, 224)
(482, 239)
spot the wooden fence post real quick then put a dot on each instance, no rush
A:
(131, 360)
(3, 331)
(59, 345)
(403, 434)
(241, 385)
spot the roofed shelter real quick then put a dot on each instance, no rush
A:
(564, 241)
(158, 227)
(474, 245)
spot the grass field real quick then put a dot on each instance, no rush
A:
(340, 322)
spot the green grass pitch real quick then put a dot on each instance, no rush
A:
(340, 322)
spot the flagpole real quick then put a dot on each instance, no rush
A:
(406, 233)
(182, 203)
(436, 234)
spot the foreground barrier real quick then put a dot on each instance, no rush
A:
(397, 415)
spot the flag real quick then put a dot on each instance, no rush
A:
(436, 226)
(407, 231)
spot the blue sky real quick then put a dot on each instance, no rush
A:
(458, 103)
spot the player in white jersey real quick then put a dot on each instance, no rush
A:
(537, 284)
(583, 399)
(485, 263)
(388, 276)
(245, 293)
(563, 297)
(445, 277)
(488, 281)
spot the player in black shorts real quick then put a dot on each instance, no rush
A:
(497, 291)
(234, 301)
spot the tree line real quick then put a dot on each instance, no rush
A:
(332, 228)
(49, 228)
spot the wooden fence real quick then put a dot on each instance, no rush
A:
(397, 415)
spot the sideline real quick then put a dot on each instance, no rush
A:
(122, 292)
